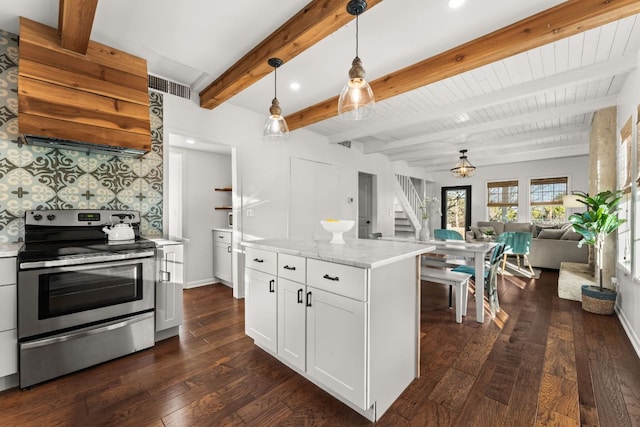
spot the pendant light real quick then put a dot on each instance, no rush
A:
(356, 100)
(275, 128)
(463, 168)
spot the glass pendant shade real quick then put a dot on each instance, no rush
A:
(463, 167)
(275, 128)
(356, 101)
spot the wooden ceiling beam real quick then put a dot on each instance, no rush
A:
(75, 20)
(314, 22)
(566, 19)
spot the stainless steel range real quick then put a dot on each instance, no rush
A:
(82, 299)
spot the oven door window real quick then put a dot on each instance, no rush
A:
(74, 291)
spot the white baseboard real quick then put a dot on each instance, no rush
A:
(205, 282)
(633, 337)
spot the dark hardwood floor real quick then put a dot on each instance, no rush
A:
(542, 361)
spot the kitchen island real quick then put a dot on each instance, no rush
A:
(346, 317)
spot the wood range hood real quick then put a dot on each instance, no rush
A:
(94, 101)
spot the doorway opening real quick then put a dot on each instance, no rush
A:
(367, 212)
(456, 208)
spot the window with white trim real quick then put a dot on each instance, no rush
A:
(545, 200)
(502, 201)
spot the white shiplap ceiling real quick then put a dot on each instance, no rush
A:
(534, 105)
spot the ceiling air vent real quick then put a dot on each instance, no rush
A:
(163, 85)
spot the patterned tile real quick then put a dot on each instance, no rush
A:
(45, 178)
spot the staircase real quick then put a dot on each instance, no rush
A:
(407, 223)
(403, 227)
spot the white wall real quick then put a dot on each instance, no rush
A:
(263, 168)
(575, 168)
(202, 172)
(629, 289)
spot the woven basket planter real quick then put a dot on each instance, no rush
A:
(598, 302)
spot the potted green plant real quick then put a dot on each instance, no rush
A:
(594, 225)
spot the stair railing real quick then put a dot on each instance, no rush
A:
(409, 199)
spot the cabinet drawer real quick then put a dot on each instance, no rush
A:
(8, 304)
(8, 271)
(292, 267)
(260, 260)
(338, 278)
(222, 236)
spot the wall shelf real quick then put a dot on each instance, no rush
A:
(223, 189)
(223, 208)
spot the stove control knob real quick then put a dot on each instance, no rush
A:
(51, 217)
(37, 217)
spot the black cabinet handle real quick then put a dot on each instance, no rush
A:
(229, 249)
(258, 260)
(300, 296)
(272, 287)
(286, 267)
(309, 299)
(220, 237)
(335, 279)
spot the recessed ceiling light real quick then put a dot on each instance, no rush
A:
(190, 141)
(453, 4)
(294, 86)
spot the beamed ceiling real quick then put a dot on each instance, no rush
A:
(508, 81)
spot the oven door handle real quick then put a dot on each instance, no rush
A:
(84, 332)
(85, 260)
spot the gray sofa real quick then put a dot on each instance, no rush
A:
(550, 245)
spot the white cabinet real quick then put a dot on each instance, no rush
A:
(8, 318)
(336, 331)
(292, 331)
(222, 255)
(352, 331)
(260, 308)
(169, 284)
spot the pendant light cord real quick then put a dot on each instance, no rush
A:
(275, 82)
(357, 35)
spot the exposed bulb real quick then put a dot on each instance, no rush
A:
(356, 101)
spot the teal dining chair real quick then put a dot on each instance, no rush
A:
(517, 243)
(490, 276)
(443, 234)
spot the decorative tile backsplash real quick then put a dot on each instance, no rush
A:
(46, 178)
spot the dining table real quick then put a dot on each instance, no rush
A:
(473, 253)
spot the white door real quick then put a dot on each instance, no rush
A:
(336, 343)
(313, 197)
(292, 322)
(260, 304)
(169, 286)
(365, 205)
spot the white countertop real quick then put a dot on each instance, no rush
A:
(363, 253)
(227, 229)
(9, 249)
(167, 240)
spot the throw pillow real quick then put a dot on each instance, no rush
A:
(569, 234)
(550, 234)
(538, 228)
(477, 234)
